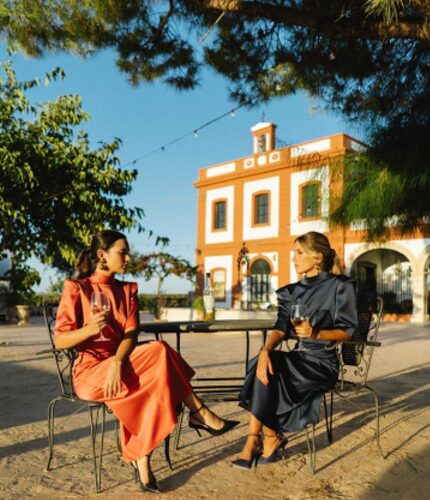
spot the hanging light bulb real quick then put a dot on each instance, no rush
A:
(232, 113)
(195, 134)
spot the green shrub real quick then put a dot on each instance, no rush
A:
(146, 301)
(198, 304)
(149, 301)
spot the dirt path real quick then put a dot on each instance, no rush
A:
(350, 468)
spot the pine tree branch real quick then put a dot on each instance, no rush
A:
(355, 24)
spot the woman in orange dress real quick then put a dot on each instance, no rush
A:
(142, 385)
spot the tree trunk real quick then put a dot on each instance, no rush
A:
(159, 300)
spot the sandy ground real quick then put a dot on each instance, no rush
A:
(349, 468)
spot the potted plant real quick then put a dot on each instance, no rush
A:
(18, 310)
(23, 314)
(198, 307)
(20, 293)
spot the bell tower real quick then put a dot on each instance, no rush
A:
(264, 137)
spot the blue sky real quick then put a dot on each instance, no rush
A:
(152, 115)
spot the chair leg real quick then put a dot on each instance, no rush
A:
(97, 460)
(167, 451)
(329, 417)
(310, 440)
(377, 417)
(51, 421)
(101, 445)
(118, 438)
(178, 430)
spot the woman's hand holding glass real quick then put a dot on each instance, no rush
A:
(304, 330)
(100, 307)
(97, 323)
(300, 321)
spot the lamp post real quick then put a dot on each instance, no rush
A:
(427, 292)
(243, 259)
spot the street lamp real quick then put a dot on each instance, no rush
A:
(242, 259)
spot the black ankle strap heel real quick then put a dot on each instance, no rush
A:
(256, 454)
(151, 487)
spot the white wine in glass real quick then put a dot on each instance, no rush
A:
(99, 303)
(299, 313)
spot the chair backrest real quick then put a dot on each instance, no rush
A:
(64, 358)
(357, 358)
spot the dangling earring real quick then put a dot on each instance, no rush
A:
(103, 265)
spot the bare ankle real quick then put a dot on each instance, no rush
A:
(144, 466)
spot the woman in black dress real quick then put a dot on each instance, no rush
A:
(283, 390)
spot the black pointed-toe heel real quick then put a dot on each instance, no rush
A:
(275, 455)
(200, 426)
(247, 464)
(151, 487)
(241, 463)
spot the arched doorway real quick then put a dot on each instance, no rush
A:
(260, 282)
(387, 273)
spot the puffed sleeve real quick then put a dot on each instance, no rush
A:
(346, 316)
(284, 301)
(69, 313)
(132, 310)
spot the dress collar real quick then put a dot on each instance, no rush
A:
(319, 278)
(98, 277)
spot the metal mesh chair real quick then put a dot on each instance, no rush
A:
(64, 359)
(355, 357)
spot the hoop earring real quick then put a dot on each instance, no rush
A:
(103, 266)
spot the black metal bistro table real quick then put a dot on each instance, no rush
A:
(217, 388)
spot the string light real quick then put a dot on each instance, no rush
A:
(194, 133)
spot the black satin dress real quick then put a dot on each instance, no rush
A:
(292, 398)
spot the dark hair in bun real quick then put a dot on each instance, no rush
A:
(87, 259)
(314, 242)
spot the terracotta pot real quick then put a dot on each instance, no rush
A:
(23, 313)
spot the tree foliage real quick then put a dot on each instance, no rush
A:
(161, 265)
(55, 190)
(368, 60)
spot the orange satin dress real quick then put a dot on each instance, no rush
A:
(154, 379)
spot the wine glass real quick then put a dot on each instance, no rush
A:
(299, 313)
(99, 303)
